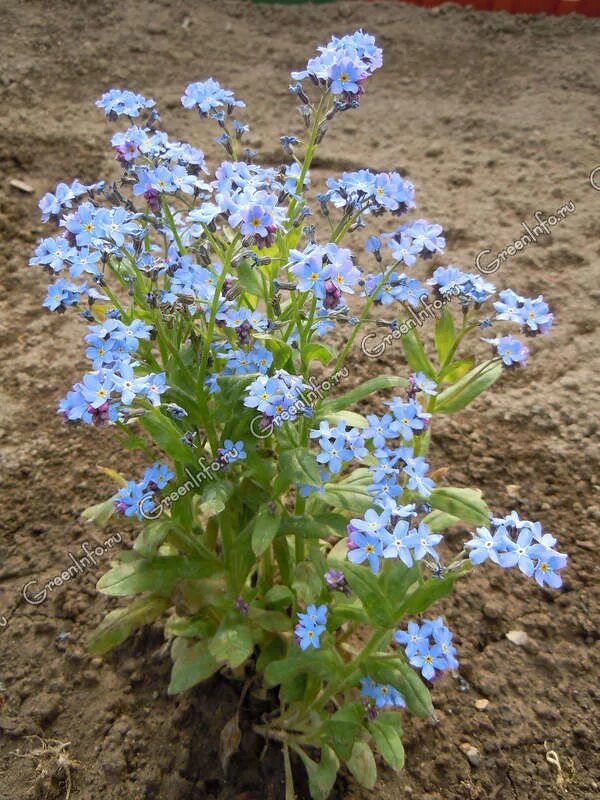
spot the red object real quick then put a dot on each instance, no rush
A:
(567, 7)
(590, 8)
(534, 6)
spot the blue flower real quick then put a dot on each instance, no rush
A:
(156, 477)
(117, 102)
(535, 316)
(373, 524)
(344, 77)
(417, 469)
(424, 384)
(363, 547)
(62, 294)
(409, 418)
(207, 96)
(423, 542)
(484, 546)
(546, 570)
(310, 626)
(428, 647)
(382, 695)
(334, 454)
(233, 451)
(397, 544)
(510, 350)
(533, 551)
(133, 499)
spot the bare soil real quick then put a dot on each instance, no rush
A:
(493, 118)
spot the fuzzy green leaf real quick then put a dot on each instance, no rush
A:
(362, 765)
(120, 623)
(389, 743)
(322, 775)
(192, 663)
(465, 504)
(470, 386)
(348, 399)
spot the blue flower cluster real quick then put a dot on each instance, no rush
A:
(278, 397)
(369, 192)
(397, 467)
(381, 695)
(343, 66)
(122, 102)
(514, 542)
(311, 625)
(428, 647)
(388, 535)
(207, 96)
(136, 498)
(326, 272)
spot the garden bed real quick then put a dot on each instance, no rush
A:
(493, 118)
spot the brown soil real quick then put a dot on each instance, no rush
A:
(493, 118)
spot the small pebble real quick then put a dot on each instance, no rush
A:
(519, 638)
(22, 186)
(481, 704)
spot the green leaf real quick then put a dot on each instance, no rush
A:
(159, 575)
(465, 504)
(317, 352)
(425, 594)
(343, 728)
(351, 418)
(389, 743)
(192, 663)
(470, 386)
(271, 621)
(232, 644)
(350, 494)
(415, 355)
(457, 369)
(319, 526)
(119, 624)
(359, 393)
(445, 334)
(151, 537)
(264, 531)
(321, 776)
(362, 765)
(215, 497)
(370, 592)
(396, 579)
(196, 627)
(323, 664)
(279, 595)
(296, 467)
(402, 677)
(308, 582)
(249, 278)
(346, 612)
(166, 435)
(438, 521)
(100, 513)
(283, 554)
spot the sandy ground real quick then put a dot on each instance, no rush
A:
(493, 118)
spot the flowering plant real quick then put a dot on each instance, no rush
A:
(269, 552)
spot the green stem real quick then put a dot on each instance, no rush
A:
(290, 793)
(370, 300)
(172, 226)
